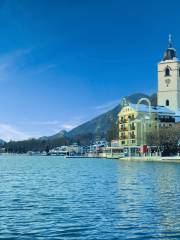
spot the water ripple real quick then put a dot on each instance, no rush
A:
(88, 199)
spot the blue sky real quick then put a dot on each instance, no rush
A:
(64, 62)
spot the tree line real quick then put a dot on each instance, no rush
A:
(41, 145)
(167, 140)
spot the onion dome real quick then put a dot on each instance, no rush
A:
(170, 53)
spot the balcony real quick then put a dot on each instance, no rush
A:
(123, 137)
(132, 136)
(131, 118)
(167, 120)
(123, 121)
(122, 129)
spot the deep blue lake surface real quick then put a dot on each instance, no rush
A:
(56, 198)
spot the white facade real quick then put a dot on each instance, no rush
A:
(169, 85)
(169, 80)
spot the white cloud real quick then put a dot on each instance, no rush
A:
(57, 124)
(8, 132)
(15, 63)
(53, 122)
(12, 62)
(43, 68)
(68, 127)
(65, 126)
(107, 106)
(40, 128)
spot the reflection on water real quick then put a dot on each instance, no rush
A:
(57, 198)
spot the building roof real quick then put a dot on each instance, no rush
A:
(170, 53)
(153, 109)
(177, 115)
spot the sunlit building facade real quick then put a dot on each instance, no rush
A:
(137, 121)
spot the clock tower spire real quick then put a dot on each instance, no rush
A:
(170, 41)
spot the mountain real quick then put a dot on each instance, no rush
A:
(100, 125)
(2, 142)
(103, 126)
(61, 134)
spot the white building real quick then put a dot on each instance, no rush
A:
(137, 121)
(169, 79)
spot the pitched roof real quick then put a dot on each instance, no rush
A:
(153, 109)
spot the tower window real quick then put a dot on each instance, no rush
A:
(167, 81)
(179, 72)
(167, 72)
(167, 102)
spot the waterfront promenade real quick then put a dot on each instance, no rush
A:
(170, 159)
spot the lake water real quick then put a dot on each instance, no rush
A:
(81, 199)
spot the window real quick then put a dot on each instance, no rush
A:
(179, 72)
(167, 72)
(167, 81)
(167, 102)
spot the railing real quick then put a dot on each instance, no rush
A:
(123, 121)
(124, 129)
(132, 136)
(123, 137)
(131, 118)
(167, 120)
(131, 128)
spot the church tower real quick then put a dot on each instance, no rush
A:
(169, 79)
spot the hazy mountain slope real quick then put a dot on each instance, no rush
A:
(62, 133)
(85, 134)
(101, 124)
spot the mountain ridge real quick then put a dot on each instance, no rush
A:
(101, 124)
(104, 126)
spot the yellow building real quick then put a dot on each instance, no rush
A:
(137, 120)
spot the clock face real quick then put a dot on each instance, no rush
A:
(167, 81)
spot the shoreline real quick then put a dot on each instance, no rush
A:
(170, 159)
